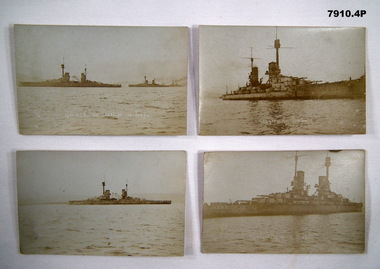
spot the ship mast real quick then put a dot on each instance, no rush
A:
(274, 67)
(254, 74)
(277, 46)
(296, 164)
(63, 68)
(251, 59)
(327, 164)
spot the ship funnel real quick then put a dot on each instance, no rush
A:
(103, 184)
(254, 77)
(123, 194)
(324, 185)
(84, 75)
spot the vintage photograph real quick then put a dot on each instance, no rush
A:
(101, 80)
(304, 202)
(281, 80)
(101, 203)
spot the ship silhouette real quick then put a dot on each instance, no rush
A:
(106, 199)
(154, 84)
(282, 87)
(295, 201)
(66, 81)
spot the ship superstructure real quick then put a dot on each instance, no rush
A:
(107, 199)
(280, 87)
(295, 201)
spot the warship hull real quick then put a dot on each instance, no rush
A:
(120, 202)
(153, 85)
(146, 86)
(231, 210)
(348, 89)
(69, 84)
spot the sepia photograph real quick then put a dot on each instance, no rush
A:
(101, 203)
(282, 80)
(101, 80)
(303, 202)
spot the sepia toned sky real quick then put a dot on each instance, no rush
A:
(111, 54)
(231, 176)
(64, 175)
(326, 54)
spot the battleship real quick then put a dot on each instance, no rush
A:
(154, 84)
(106, 199)
(282, 87)
(65, 81)
(295, 201)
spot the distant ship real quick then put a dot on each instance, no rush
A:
(281, 87)
(65, 81)
(106, 199)
(154, 84)
(296, 201)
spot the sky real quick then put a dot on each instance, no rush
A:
(63, 175)
(111, 54)
(231, 176)
(326, 54)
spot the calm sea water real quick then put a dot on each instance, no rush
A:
(136, 230)
(286, 117)
(331, 233)
(102, 111)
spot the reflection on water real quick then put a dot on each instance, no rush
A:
(102, 111)
(135, 230)
(276, 112)
(329, 233)
(338, 116)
